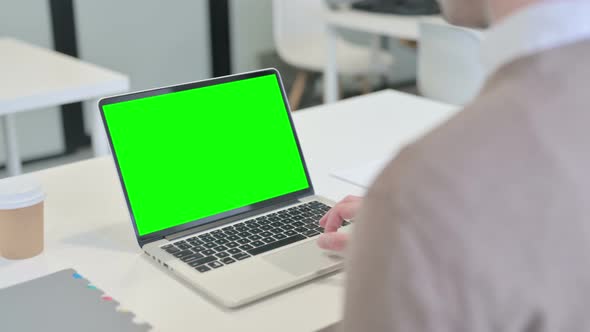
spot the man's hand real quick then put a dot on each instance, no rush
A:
(332, 220)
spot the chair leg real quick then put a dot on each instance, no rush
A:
(309, 92)
(366, 86)
(297, 90)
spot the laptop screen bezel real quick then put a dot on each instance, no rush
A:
(155, 236)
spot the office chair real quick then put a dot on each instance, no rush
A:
(449, 67)
(299, 35)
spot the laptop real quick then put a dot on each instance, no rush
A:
(217, 186)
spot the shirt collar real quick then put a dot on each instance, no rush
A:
(534, 29)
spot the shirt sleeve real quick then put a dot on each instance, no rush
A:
(405, 267)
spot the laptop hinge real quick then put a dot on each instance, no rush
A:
(224, 221)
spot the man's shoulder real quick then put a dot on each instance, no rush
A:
(523, 115)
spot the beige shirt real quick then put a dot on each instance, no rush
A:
(484, 224)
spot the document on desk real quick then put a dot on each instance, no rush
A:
(363, 174)
(63, 301)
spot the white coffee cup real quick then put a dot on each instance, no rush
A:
(21, 217)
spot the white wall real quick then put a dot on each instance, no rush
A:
(251, 32)
(154, 42)
(40, 131)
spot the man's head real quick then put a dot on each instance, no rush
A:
(481, 13)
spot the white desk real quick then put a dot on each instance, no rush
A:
(32, 77)
(88, 228)
(388, 25)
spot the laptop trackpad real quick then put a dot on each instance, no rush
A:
(302, 259)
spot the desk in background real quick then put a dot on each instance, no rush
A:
(386, 25)
(88, 227)
(32, 77)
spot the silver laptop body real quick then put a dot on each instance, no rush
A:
(242, 255)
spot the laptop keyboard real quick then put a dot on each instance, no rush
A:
(252, 237)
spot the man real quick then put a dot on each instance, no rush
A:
(484, 223)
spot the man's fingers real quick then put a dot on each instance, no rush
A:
(333, 241)
(344, 210)
(325, 218)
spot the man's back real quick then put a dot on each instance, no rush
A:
(482, 225)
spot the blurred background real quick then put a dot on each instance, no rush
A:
(156, 43)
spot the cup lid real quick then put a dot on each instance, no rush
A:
(19, 192)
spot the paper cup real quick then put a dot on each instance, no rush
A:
(21, 218)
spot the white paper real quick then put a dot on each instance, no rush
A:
(362, 175)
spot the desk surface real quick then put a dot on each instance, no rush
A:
(34, 77)
(88, 228)
(390, 25)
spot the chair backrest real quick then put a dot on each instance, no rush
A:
(297, 20)
(449, 62)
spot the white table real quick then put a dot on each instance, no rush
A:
(88, 228)
(32, 77)
(388, 25)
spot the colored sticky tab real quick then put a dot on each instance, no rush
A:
(107, 298)
(91, 286)
(76, 276)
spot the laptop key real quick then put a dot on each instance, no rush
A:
(208, 252)
(221, 241)
(220, 248)
(198, 248)
(301, 229)
(266, 234)
(244, 234)
(195, 242)
(255, 230)
(243, 241)
(257, 243)
(246, 247)
(168, 246)
(228, 260)
(265, 227)
(233, 238)
(311, 233)
(241, 256)
(241, 228)
(280, 236)
(255, 237)
(276, 230)
(219, 235)
(276, 244)
(268, 240)
(231, 232)
(290, 233)
(215, 264)
(184, 246)
(203, 268)
(234, 251)
(189, 258)
(202, 261)
(183, 253)
(232, 245)
(172, 250)
(222, 254)
(207, 239)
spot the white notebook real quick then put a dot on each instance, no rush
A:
(363, 174)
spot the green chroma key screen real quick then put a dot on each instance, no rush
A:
(191, 154)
